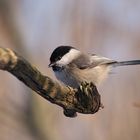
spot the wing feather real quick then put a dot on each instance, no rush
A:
(91, 61)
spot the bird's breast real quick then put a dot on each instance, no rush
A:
(73, 77)
(67, 78)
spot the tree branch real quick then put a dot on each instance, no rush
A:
(85, 99)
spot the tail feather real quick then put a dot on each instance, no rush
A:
(124, 63)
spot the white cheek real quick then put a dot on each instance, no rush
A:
(64, 61)
(69, 57)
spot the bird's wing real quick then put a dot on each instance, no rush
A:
(100, 60)
(90, 61)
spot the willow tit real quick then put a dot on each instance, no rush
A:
(72, 66)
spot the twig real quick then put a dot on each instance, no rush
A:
(85, 99)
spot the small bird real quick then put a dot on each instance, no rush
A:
(72, 67)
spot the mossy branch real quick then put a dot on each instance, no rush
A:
(85, 99)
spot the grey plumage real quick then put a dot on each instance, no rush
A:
(73, 67)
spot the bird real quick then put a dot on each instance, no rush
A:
(72, 66)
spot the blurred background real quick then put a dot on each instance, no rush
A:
(33, 28)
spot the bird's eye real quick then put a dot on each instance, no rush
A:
(59, 57)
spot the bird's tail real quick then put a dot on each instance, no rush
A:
(124, 63)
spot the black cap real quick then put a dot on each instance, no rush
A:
(59, 52)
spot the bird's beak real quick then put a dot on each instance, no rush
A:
(51, 64)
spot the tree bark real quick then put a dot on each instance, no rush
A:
(85, 99)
